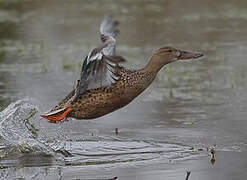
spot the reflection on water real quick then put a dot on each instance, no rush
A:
(191, 104)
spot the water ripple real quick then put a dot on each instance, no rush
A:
(21, 145)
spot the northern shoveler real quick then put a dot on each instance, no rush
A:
(104, 86)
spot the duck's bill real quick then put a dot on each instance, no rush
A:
(188, 55)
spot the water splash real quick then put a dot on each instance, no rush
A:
(17, 133)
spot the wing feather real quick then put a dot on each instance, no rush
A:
(100, 67)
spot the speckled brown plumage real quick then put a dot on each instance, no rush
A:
(98, 102)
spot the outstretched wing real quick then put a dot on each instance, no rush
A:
(100, 67)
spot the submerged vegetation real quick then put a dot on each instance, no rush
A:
(30, 126)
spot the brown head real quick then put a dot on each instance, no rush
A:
(166, 55)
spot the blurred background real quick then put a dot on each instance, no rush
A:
(191, 107)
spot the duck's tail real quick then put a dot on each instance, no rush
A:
(57, 115)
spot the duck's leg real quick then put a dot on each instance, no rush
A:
(58, 115)
(66, 118)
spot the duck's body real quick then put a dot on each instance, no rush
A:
(95, 103)
(104, 86)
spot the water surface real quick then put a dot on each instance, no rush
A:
(190, 108)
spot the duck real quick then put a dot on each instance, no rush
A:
(104, 85)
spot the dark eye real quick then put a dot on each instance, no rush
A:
(169, 50)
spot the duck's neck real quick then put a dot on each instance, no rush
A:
(155, 64)
(151, 69)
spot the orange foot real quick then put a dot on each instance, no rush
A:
(56, 116)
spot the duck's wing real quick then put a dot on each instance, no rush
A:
(100, 67)
(108, 28)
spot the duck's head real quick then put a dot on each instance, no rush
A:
(166, 55)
